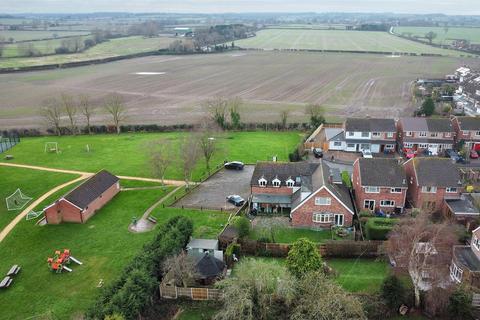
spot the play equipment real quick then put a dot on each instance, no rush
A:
(17, 200)
(60, 261)
(33, 215)
(51, 147)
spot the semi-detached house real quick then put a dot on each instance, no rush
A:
(467, 131)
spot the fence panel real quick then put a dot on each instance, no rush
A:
(194, 293)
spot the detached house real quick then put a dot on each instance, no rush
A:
(465, 266)
(426, 134)
(467, 130)
(312, 193)
(431, 181)
(380, 185)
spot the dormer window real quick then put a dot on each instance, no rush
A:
(376, 134)
(290, 183)
(262, 182)
(422, 134)
(276, 183)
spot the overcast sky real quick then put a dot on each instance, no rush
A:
(464, 7)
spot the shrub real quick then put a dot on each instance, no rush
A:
(233, 248)
(303, 257)
(460, 304)
(346, 179)
(242, 224)
(378, 228)
(393, 291)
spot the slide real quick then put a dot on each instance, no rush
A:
(75, 260)
(67, 268)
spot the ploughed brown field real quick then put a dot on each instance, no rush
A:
(170, 89)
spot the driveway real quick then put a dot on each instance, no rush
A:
(211, 194)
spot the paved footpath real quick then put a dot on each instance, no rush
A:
(83, 175)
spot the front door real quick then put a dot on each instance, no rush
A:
(338, 219)
(369, 204)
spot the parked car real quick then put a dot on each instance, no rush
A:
(234, 165)
(367, 154)
(409, 153)
(236, 200)
(318, 152)
(473, 154)
(455, 156)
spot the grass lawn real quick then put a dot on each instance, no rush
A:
(198, 310)
(127, 154)
(290, 235)
(103, 244)
(337, 40)
(444, 36)
(359, 275)
(31, 182)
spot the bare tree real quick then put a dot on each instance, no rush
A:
(87, 109)
(52, 114)
(217, 108)
(161, 157)
(116, 108)
(181, 268)
(70, 108)
(423, 249)
(207, 143)
(189, 154)
(284, 118)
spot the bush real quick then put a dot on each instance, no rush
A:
(378, 228)
(303, 257)
(460, 304)
(243, 225)
(393, 292)
(346, 179)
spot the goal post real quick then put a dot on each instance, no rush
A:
(51, 147)
(33, 215)
(17, 200)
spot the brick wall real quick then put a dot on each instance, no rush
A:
(100, 202)
(303, 216)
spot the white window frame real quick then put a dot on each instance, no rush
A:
(365, 134)
(389, 146)
(382, 203)
(328, 201)
(422, 134)
(262, 182)
(427, 189)
(448, 134)
(408, 145)
(368, 189)
(335, 219)
(376, 134)
(394, 190)
(276, 183)
(290, 183)
(455, 272)
(477, 133)
(350, 133)
(369, 201)
(390, 134)
(318, 217)
(451, 190)
(351, 145)
(337, 143)
(409, 133)
(423, 145)
(433, 134)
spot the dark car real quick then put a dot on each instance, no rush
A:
(318, 153)
(455, 156)
(234, 165)
(236, 200)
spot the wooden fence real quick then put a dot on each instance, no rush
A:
(194, 293)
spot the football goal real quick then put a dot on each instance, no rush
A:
(51, 147)
(33, 215)
(17, 200)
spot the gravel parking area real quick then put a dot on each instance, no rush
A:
(211, 194)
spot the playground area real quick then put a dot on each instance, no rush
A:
(61, 261)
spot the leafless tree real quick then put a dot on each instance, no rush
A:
(114, 105)
(181, 267)
(217, 109)
(52, 113)
(70, 108)
(161, 157)
(284, 118)
(189, 154)
(87, 109)
(423, 249)
(207, 142)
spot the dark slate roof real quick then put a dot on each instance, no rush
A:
(420, 124)
(208, 266)
(338, 189)
(284, 171)
(439, 172)
(370, 125)
(439, 125)
(428, 140)
(469, 123)
(414, 124)
(382, 172)
(466, 257)
(464, 205)
(91, 189)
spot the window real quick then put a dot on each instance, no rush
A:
(423, 145)
(476, 242)
(447, 134)
(433, 134)
(372, 189)
(323, 201)
(408, 145)
(396, 190)
(350, 133)
(389, 146)
(376, 134)
(337, 144)
(451, 190)
(262, 182)
(322, 217)
(389, 134)
(387, 203)
(409, 133)
(365, 134)
(276, 183)
(426, 189)
(477, 133)
(290, 183)
(351, 145)
(466, 132)
(338, 219)
(455, 272)
(422, 134)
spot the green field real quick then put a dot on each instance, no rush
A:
(127, 154)
(337, 40)
(43, 47)
(111, 48)
(32, 183)
(444, 36)
(35, 35)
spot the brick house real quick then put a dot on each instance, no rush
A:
(430, 135)
(464, 209)
(380, 185)
(430, 181)
(312, 193)
(467, 129)
(465, 266)
(82, 203)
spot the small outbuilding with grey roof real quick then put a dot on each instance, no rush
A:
(84, 201)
